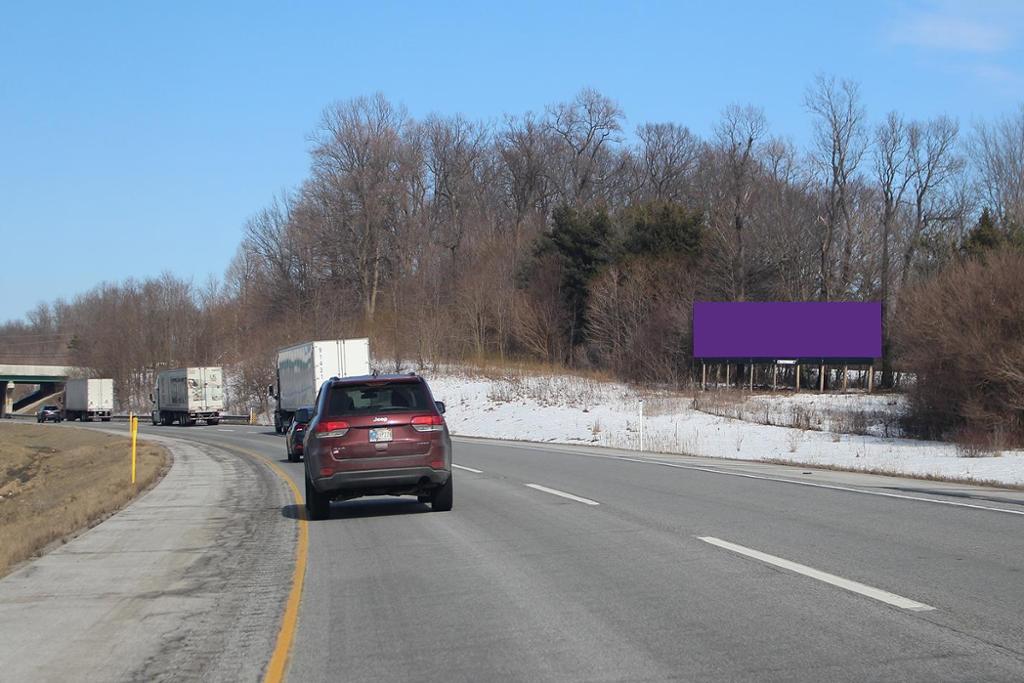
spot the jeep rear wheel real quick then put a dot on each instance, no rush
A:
(318, 505)
(441, 497)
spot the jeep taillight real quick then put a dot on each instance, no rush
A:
(428, 423)
(329, 429)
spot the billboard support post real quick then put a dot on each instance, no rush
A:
(798, 377)
(821, 378)
(775, 377)
(751, 377)
(845, 371)
(871, 377)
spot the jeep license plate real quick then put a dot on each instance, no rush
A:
(380, 435)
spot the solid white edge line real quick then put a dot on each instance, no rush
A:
(834, 487)
(838, 581)
(468, 469)
(563, 494)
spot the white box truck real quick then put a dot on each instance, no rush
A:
(186, 395)
(302, 368)
(85, 399)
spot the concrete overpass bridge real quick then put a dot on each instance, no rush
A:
(49, 378)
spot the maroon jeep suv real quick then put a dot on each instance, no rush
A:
(377, 435)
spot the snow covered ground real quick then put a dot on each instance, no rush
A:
(567, 409)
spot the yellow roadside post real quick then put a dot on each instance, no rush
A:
(134, 428)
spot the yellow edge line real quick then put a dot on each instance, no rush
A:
(276, 669)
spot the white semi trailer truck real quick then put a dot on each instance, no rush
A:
(186, 395)
(85, 399)
(302, 368)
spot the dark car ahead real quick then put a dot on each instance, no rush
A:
(379, 435)
(49, 414)
(296, 432)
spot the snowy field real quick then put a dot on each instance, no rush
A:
(566, 409)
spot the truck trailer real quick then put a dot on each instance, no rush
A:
(186, 395)
(85, 399)
(302, 368)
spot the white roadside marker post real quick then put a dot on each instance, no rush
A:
(641, 425)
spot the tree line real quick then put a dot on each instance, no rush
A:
(560, 236)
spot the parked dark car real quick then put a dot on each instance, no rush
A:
(296, 432)
(378, 435)
(49, 414)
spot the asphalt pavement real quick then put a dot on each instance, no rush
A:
(564, 563)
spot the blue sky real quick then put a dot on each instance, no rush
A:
(137, 137)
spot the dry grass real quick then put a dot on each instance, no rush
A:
(548, 390)
(743, 406)
(495, 368)
(56, 481)
(666, 403)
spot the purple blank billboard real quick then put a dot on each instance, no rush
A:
(787, 330)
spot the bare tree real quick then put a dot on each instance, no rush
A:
(356, 156)
(839, 145)
(584, 129)
(934, 164)
(524, 147)
(739, 135)
(998, 153)
(456, 157)
(787, 253)
(666, 156)
(892, 157)
(894, 172)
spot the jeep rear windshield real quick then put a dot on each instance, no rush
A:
(377, 397)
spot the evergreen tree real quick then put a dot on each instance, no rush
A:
(579, 239)
(662, 228)
(983, 237)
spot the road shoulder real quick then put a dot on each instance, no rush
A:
(188, 581)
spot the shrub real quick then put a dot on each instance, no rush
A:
(962, 333)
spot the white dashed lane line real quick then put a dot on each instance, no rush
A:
(562, 494)
(832, 579)
(468, 469)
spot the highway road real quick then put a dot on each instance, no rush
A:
(561, 563)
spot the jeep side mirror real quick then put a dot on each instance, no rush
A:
(440, 406)
(270, 391)
(151, 399)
